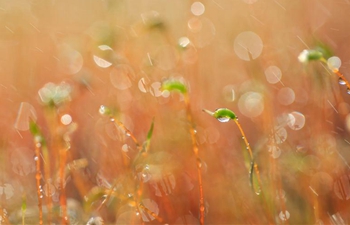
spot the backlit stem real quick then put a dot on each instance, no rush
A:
(38, 177)
(198, 163)
(256, 169)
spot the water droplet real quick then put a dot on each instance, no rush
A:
(155, 89)
(334, 63)
(144, 85)
(66, 119)
(341, 81)
(102, 110)
(128, 133)
(36, 158)
(281, 135)
(248, 45)
(125, 148)
(273, 74)
(284, 216)
(184, 42)
(229, 93)
(112, 119)
(202, 208)
(348, 90)
(223, 119)
(38, 144)
(103, 55)
(296, 120)
(197, 8)
(199, 162)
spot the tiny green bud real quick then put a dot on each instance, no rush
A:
(222, 114)
(172, 85)
(308, 55)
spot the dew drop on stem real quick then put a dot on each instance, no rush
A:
(348, 90)
(341, 81)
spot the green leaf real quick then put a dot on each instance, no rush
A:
(222, 114)
(172, 85)
(150, 132)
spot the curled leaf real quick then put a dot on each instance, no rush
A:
(222, 114)
(171, 85)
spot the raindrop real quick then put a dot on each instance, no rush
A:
(296, 120)
(284, 216)
(25, 114)
(334, 63)
(102, 110)
(275, 151)
(341, 81)
(66, 119)
(125, 148)
(342, 187)
(286, 96)
(224, 119)
(321, 183)
(155, 89)
(102, 56)
(348, 91)
(248, 45)
(121, 76)
(36, 158)
(273, 74)
(229, 93)
(184, 42)
(144, 85)
(197, 8)
(281, 135)
(251, 104)
(70, 60)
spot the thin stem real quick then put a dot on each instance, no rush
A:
(256, 169)
(47, 176)
(341, 76)
(127, 132)
(198, 160)
(38, 177)
(63, 200)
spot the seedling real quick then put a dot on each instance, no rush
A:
(332, 63)
(224, 115)
(174, 85)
